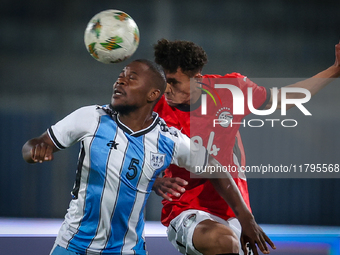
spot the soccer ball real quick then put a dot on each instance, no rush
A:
(111, 36)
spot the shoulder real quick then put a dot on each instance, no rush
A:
(228, 75)
(95, 110)
(235, 79)
(75, 126)
(229, 81)
(170, 132)
(88, 109)
(87, 113)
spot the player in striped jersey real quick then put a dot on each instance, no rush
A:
(124, 146)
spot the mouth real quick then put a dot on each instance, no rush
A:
(168, 99)
(118, 92)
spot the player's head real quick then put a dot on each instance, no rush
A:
(156, 74)
(181, 60)
(140, 84)
(187, 56)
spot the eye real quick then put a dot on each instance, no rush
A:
(173, 83)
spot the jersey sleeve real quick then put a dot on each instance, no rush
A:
(72, 128)
(260, 95)
(188, 154)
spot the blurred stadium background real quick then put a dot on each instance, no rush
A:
(46, 72)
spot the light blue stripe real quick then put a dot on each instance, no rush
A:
(140, 227)
(99, 153)
(127, 194)
(165, 146)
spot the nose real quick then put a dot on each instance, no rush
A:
(120, 81)
(168, 89)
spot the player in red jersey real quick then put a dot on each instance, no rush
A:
(194, 217)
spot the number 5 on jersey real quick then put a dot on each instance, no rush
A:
(132, 169)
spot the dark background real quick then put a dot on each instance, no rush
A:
(46, 73)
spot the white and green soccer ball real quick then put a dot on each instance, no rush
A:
(111, 36)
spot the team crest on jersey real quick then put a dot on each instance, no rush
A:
(224, 116)
(157, 160)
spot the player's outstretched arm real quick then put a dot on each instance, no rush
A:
(164, 186)
(251, 231)
(39, 149)
(313, 84)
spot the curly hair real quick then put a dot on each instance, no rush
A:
(184, 54)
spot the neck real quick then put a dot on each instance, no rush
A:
(195, 95)
(136, 120)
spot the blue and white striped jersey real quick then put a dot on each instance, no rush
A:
(116, 170)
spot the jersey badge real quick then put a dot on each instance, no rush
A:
(225, 116)
(157, 160)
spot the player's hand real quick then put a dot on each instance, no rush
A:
(173, 186)
(253, 234)
(42, 152)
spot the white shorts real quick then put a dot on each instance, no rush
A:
(181, 229)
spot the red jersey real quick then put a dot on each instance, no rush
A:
(222, 140)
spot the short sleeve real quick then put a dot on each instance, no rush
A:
(260, 95)
(188, 154)
(73, 127)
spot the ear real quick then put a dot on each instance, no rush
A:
(197, 78)
(153, 95)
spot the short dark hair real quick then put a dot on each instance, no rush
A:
(184, 54)
(159, 80)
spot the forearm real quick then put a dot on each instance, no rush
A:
(317, 82)
(313, 84)
(228, 190)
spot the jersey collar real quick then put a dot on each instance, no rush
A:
(127, 130)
